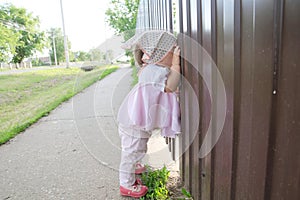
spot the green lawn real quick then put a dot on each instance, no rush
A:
(134, 76)
(4, 69)
(26, 97)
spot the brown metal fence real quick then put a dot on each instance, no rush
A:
(256, 46)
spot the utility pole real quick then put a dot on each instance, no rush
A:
(65, 36)
(105, 43)
(50, 58)
(54, 49)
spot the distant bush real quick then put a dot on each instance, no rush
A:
(87, 68)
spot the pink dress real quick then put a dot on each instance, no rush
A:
(148, 107)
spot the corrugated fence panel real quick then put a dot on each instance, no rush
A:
(195, 79)
(187, 118)
(205, 100)
(222, 153)
(256, 93)
(284, 165)
(182, 100)
(255, 45)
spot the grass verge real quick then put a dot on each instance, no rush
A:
(26, 97)
(134, 75)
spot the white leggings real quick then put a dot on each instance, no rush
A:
(134, 147)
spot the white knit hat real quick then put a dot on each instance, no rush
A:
(154, 43)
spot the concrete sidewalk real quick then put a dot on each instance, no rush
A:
(74, 152)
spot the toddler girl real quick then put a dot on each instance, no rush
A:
(151, 104)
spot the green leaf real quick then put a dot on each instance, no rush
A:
(186, 193)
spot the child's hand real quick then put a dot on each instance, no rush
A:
(176, 56)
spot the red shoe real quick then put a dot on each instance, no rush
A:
(139, 168)
(138, 182)
(135, 191)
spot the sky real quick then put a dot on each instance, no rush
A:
(84, 19)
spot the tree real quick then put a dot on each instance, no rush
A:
(57, 35)
(8, 34)
(122, 16)
(82, 56)
(96, 55)
(108, 56)
(27, 38)
(8, 42)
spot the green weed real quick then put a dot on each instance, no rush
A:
(156, 181)
(186, 193)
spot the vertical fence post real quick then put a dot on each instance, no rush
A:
(1, 66)
(30, 64)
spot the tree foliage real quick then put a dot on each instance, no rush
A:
(96, 55)
(25, 37)
(82, 56)
(8, 42)
(58, 37)
(20, 35)
(122, 16)
(8, 35)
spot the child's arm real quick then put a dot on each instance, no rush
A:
(174, 75)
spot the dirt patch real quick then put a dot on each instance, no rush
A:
(175, 185)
